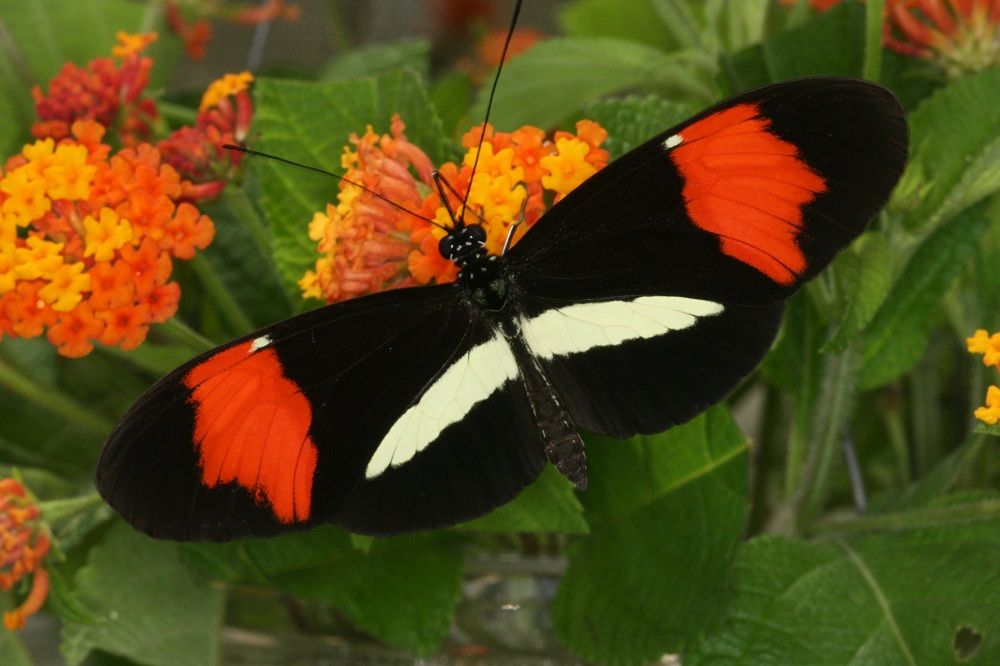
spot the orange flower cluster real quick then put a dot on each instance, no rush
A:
(368, 245)
(23, 546)
(960, 35)
(108, 90)
(87, 240)
(197, 153)
(989, 346)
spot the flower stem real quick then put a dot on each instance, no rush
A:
(834, 405)
(874, 18)
(51, 399)
(183, 115)
(55, 510)
(181, 332)
(225, 302)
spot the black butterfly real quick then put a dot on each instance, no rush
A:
(635, 303)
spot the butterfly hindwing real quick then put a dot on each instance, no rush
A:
(278, 430)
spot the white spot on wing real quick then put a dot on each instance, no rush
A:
(472, 378)
(673, 141)
(259, 343)
(577, 328)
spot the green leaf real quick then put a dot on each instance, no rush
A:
(46, 34)
(866, 268)
(375, 59)
(557, 77)
(632, 120)
(666, 513)
(547, 505)
(451, 96)
(636, 21)
(12, 650)
(987, 429)
(953, 163)
(153, 609)
(403, 590)
(310, 123)
(896, 598)
(832, 43)
(896, 338)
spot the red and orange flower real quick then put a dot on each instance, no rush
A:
(108, 90)
(368, 245)
(24, 544)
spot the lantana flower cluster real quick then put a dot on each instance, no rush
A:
(88, 238)
(989, 346)
(109, 90)
(24, 543)
(369, 245)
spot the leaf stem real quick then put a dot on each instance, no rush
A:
(51, 399)
(874, 17)
(177, 330)
(219, 295)
(833, 411)
(60, 509)
(898, 521)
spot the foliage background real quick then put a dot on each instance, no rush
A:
(727, 546)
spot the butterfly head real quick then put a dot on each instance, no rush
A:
(462, 244)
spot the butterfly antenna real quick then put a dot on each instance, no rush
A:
(489, 106)
(250, 151)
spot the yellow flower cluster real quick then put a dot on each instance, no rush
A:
(989, 346)
(51, 175)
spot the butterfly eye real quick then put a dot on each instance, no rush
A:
(446, 247)
(475, 233)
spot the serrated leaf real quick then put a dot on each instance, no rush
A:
(896, 338)
(632, 120)
(953, 164)
(373, 59)
(310, 123)
(547, 505)
(895, 598)
(868, 263)
(403, 590)
(153, 609)
(557, 77)
(666, 513)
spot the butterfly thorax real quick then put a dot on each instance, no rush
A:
(480, 274)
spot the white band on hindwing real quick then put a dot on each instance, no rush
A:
(483, 370)
(578, 328)
(472, 378)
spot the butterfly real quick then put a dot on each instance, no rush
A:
(633, 304)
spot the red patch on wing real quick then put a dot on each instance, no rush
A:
(252, 427)
(748, 186)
